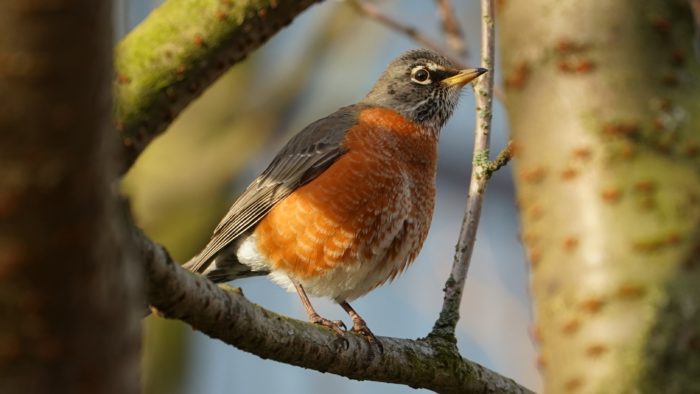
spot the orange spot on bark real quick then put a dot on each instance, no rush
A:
(570, 327)
(519, 76)
(692, 149)
(611, 194)
(582, 152)
(584, 66)
(535, 212)
(577, 66)
(123, 79)
(569, 173)
(541, 362)
(596, 350)
(534, 256)
(533, 175)
(536, 333)
(564, 45)
(573, 384)
(647, 203)
(673, 238)
(529, 237)
(515, 149)
(592, 305)
(620, 129)
(570, 243)
(565, 66)
(627, 151)
(198, 40)
(630, 291)
(645, 186)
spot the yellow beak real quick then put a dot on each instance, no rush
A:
(463, 77)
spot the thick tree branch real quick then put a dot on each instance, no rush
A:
(446, 323)
(181, 48)
(225, 314)
(62, 264)
(156, 78)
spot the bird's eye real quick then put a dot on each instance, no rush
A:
(420, 75)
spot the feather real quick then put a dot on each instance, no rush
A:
(302, 159)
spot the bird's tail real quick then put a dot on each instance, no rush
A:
(222, 268)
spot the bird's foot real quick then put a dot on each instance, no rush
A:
(335, 325)
(360, 327)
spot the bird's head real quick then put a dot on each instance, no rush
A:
(422, 86)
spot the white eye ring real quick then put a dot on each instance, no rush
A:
(420, 75)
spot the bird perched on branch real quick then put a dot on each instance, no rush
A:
(346, 205)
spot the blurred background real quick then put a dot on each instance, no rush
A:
(186, 180)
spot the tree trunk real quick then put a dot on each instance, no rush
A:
(603, 99)
(68, 316)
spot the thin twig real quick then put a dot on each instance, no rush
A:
(501, 160)
(483, 90)
(416, 35)
(373, 12)
(452, 29)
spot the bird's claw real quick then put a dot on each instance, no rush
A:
(336, 325)
(360, 327)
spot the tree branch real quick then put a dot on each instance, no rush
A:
(156, 78)
(416, 35)
(451, 28)
(449, 316)
(373, 12)
(225, 314)
(172, 56)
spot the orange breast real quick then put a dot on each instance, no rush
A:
(372, 206)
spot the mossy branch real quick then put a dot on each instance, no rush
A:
(488, 167)
(179, 50)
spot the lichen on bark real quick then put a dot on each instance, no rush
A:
(603, 101)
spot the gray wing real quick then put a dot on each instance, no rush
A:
(304, 157)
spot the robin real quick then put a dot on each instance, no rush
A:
(346, 205)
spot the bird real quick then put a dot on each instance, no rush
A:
(346, 204)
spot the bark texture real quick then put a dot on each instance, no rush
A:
(224, 313)
(178, 51)
(603, 99)
(67, 307)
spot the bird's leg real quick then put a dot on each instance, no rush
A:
(336, 325)
(359, 326)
